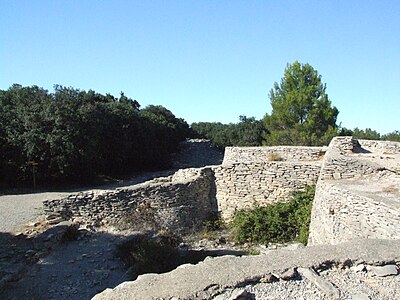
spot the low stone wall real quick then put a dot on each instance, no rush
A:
(350, 199)
(358, 192)
(263, 154)
(242, 185)
(347, 211)
(252, 176)
(340, 162)
(181, 202)
(350, 158)
(380, 147)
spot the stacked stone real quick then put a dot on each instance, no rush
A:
(340, 214)
(382, 147)
(181, 202)
(340, 163)
(262, 154)
(242, 185)
(363, 200)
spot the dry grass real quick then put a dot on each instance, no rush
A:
(273, 156)
(390, 189)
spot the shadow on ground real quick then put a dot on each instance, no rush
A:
(58, 265)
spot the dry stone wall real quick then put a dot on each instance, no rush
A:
(380, 147)
(184, 200)
(340, 214)
(261, 175)
(358, 192)
(278, 153)
(181, 202)
(350, 158)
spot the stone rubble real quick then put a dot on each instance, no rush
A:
(332, 283)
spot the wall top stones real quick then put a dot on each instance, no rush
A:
(351, 158)
(278, 153)
(380, 147)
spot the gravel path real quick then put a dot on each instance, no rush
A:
(18, 210)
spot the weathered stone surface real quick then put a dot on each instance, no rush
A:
(286, 274)
(181, 203)
(239, 294)
(264, 175)
(194, 281)
(364, 202)
(360, 296)
(322, 284)
(358, 268)
(347, 204)
(382, 271)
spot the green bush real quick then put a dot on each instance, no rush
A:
(276, 223)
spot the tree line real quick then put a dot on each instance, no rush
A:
(302, 115)
(71, 135)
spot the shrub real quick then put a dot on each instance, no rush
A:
(276, 223)
(150, 254)
(213, 223)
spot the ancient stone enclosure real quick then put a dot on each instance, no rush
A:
(357, 191)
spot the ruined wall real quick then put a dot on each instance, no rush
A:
(380, 147)
(181, 202)
(254, 175)
(350, 158)
(263, 154)
(357, 193)
(341, 213)
(184, 200)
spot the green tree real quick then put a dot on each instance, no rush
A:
(80, 136)
(301, 111)
(248, 132)
(367, 134)
(392, 136)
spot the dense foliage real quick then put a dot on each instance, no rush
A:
(301, 111)
(76, 136)
(248, 132)
(277, 223)
(392, 136)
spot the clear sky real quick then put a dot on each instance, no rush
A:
(209, 60)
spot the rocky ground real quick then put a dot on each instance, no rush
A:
(360, 282)
(360, 269)
(54, 267)
(50, 266)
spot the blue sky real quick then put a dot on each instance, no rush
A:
(209, 60)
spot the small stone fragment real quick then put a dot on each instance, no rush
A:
(240, 294)
(360, 296)
(358, 268)
(383, 271)
(286, 274)
(324, 285)
(268, 278)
